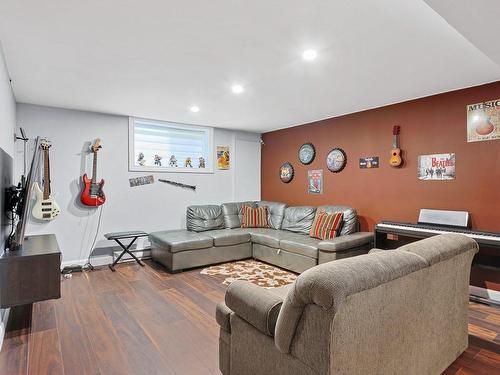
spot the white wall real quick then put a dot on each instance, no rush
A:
(7, 108)
(7, 126)
(151, 207)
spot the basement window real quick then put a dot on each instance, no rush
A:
(159, 146)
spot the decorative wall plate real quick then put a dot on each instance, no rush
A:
(336, 160)
(286, 172)
(307, 152)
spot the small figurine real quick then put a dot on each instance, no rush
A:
(173, 161)
(158, 160)
(187, 163)
(202, 162)
(140, 160)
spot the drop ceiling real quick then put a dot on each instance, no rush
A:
(156, 59)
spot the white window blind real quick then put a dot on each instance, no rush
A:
(165, 146)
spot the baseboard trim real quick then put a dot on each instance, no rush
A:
(4, 315)
(104, 260)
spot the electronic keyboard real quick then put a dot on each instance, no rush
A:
(427, 230)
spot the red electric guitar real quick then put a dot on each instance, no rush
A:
(92, 194)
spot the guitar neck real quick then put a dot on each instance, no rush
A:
(395, 141)
(46, 175)
(94, 168)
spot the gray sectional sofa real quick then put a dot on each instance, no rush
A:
(213, 234)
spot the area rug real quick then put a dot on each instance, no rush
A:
(256, 272)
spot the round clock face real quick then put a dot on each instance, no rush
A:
(336, 160)
(307, 153)
(286, 172)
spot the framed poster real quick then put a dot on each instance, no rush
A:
(315, 181)
(436, 167)
(223, 157)
(483, 121)
(368, 163)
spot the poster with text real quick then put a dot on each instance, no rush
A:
(436, 167)
(483, 121)
(223, 157)
(368, 163)
(315, 181)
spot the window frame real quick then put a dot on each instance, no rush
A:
(209, 162)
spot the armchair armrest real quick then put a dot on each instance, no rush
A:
(346, 242)
(254, 304)
(223, 316)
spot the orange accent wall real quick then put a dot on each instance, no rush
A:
(435, 124)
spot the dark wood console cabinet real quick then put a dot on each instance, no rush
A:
(32, 273)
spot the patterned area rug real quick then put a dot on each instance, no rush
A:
(256, 272)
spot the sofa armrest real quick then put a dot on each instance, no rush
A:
(346, 242)
(223, 316)
(254, 304)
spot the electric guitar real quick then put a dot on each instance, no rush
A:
(45, 208)
(395, 160)
(92, 194)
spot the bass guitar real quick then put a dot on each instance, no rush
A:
(92, 194)
(396, 160)
(45, 208)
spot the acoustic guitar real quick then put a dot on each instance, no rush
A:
(92, 194)
(45, 207)
(396, 160)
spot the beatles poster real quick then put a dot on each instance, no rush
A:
(367, 163)
(315, 181)
(483, 121)
(223, 160)
(436, 167)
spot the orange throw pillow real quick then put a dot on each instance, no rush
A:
(325, 225)
(254, 217)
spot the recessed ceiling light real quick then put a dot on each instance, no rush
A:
(309, 54)
(237, 89)
(194, 108)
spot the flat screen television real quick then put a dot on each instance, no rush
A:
(5, 183)
(15, 242)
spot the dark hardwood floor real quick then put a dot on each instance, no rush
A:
(146, 321)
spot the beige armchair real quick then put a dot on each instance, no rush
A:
(401, 311)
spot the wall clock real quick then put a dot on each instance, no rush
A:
(336, 160)
(286, 172)
(307, 152)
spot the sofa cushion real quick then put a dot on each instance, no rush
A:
(268, 237)
(439, 248)
(349, 221)
(275, 211)
(228, 237)
(181, 240)
(302, 245)
(326, 225)
(298, 219)
(254, 217)
(347, 242)
(204, 217)
(232, 213)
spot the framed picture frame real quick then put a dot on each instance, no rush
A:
(315, 181)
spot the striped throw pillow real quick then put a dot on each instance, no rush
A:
(254, 217)
(325, 225)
